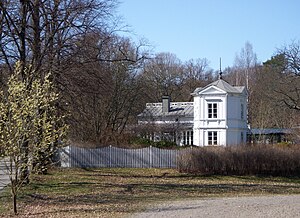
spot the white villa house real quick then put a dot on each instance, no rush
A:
(217, 116)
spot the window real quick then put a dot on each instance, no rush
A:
(242, 111)
(212, 138)
(187, 137)
(212, 110)
(242, 137)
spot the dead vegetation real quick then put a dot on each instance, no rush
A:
(266, 160)
(117, 192)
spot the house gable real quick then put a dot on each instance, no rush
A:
(212, 90)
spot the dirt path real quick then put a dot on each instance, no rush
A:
(266, 206)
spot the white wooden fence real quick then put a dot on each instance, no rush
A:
(149, 157)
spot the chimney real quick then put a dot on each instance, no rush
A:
(165, 104)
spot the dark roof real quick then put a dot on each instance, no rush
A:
(270, 131)
(185, 109)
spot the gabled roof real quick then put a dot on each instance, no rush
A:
(223, 85)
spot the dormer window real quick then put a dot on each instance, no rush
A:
(212, 110)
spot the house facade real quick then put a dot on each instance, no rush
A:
(220, 114)
(217, 116)
(171, 121)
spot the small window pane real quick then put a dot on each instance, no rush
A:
(242, 111)
(215, 138)
(212, 138)
(212, 110)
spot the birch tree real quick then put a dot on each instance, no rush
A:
(245, 63)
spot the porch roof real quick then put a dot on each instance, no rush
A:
(270, 131)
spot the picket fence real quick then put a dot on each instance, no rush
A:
(150, 157)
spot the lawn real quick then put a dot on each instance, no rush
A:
(117, 192)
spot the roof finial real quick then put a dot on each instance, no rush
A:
(220, 73)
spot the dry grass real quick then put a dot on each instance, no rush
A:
(119, 192)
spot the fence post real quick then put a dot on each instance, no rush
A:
(65, 156)
(150, 156)
(110, 156)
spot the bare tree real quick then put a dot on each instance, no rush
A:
(196, 69)
(245, 62)
(288, 68)
(266, 108)
(163, 75)
(196, 74)
(42, 34)
(103, 87)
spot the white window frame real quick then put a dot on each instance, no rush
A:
(187, 137)
(212, 138)
(212, 110)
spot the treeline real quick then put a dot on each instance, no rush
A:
(105, 79)
(273, 86)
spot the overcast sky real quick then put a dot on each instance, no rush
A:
(213, 28)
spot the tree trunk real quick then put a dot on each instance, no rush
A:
(36, 48)
(22, 36)
(24, 170)
(14, 184)
(15, 204)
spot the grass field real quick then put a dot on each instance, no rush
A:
(118, 192)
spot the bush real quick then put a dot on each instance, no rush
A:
(141, 141)
(159, 144)
(164, 144)
(242, 160)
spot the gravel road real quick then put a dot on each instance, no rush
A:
(262, 206)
